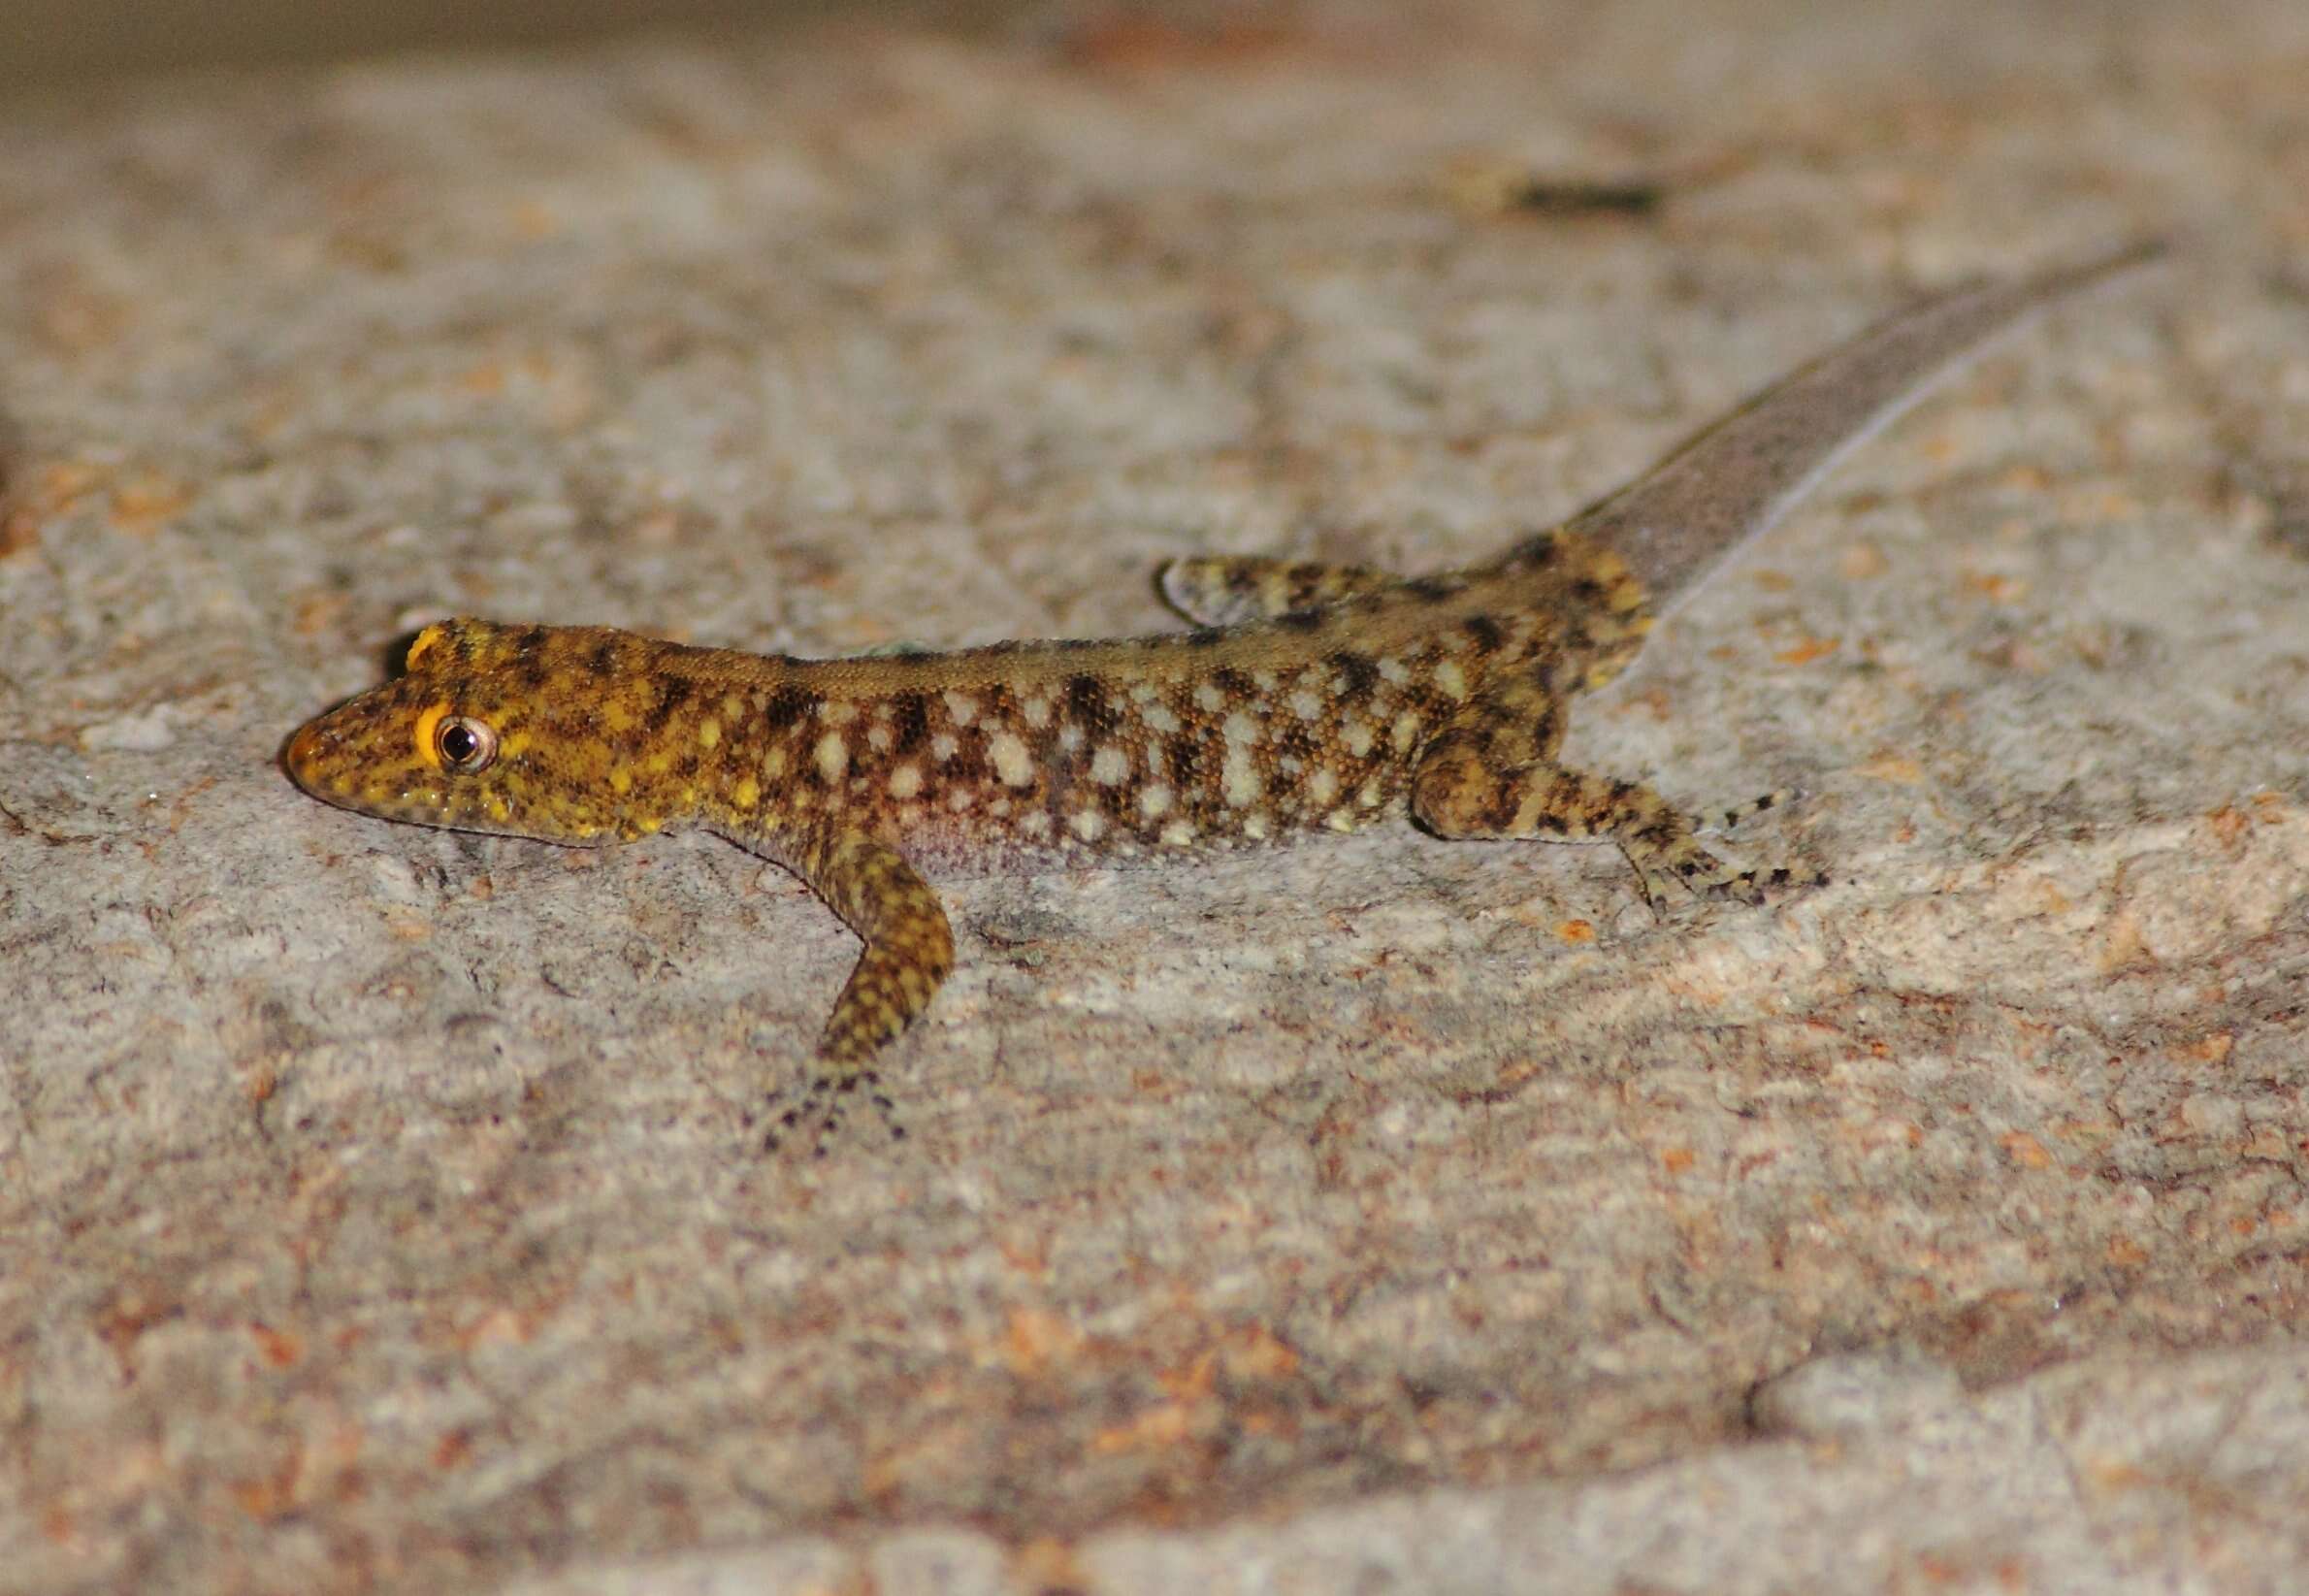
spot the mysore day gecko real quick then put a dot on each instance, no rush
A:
(1307, 701)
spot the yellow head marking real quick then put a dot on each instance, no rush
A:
(428, 722)
(425, 640)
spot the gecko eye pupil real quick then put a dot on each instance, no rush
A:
(466, 745)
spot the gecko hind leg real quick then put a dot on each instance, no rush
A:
(1226, 590)
(1491, 772)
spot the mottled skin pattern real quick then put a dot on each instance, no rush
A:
(1310, 699)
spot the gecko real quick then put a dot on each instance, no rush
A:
(1306, 701)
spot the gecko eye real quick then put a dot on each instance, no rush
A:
(465, 746)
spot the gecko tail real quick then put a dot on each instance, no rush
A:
(1681, 521)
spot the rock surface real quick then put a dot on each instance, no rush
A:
(376, 1206)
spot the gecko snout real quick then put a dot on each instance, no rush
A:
(308, 757)
(303, 750)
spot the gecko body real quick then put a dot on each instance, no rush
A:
(1307, 701)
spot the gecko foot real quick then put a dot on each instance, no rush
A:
(1674, 854)
(1759, 887)
(812, 1115)
(1703, 875)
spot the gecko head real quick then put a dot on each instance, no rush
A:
(508, 729)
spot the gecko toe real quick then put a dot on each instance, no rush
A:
(815, 1114)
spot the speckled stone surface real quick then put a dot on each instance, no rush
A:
(376, 1210)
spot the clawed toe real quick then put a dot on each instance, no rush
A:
(1724, 820)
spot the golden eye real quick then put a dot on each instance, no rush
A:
(466, 745)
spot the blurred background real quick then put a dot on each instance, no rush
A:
(46, 43)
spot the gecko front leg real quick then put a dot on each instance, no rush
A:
(909, 952)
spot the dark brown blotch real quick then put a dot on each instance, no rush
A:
(1358, 671)
(1086, 702)
(1540, 552)
(787, 705)
(1119, 802)
(969, 768)
(1186, 758)
(673, 693)
(909, 721)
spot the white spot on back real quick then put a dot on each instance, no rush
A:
(943, 747)
(1088, 824)
(832, 754)
(961, 706)
(1206, 696)
(1109, 765)
(1238, 778)
(905, 781)
(1155, 801)
(1010, 758)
